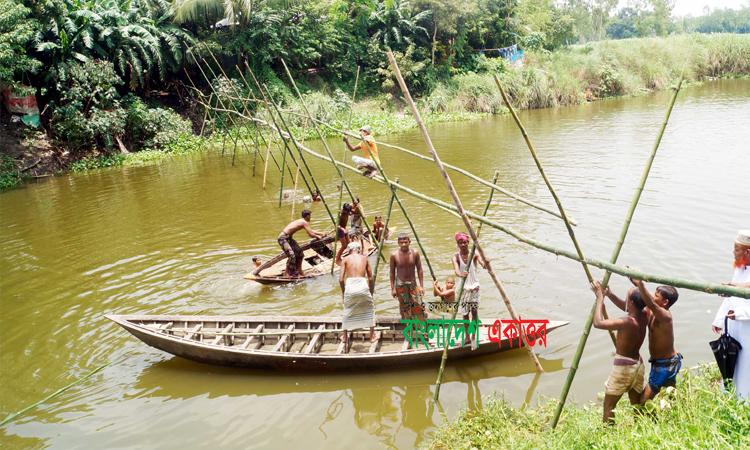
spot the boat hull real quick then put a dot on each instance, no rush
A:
(232, 355)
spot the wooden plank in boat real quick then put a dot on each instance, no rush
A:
(192, 332)
(285, 341)
(258, 343)
(219, 337)
(313, 346)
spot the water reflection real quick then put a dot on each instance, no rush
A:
(379, 404)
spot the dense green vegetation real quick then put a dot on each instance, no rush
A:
(118, 74)
(698, 414)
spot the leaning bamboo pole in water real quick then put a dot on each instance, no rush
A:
(469, 262)
(694, 285)
(552, 191)
(615, 255)
(323, 140)
(385, 230)
(343, 157)
(457, 169)
(460, 207)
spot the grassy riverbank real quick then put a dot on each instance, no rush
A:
(695, 415)
(567, 76)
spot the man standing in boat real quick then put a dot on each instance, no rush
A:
(357, 287)
(291, 248)
(369, 150)
(407, 279)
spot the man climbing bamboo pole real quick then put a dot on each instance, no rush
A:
(459, 205)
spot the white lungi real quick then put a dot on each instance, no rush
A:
(359, 309)
(361, 162)
(740, 330)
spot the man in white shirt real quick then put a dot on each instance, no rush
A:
(737, 310)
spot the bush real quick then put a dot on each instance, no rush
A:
(88, 114)
(9, 176)
(152, 128)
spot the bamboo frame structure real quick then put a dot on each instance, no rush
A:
(341, 190)
(470, 261)
(457, 169)
(552, 191)
(695, 285)
(459, 205)
(385, 230)
(322, 139)
(615, 254)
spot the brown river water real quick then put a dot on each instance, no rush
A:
(177, 237)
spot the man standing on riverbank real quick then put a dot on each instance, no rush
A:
(291, 248)
(407, 279)
(665, 361)
(627, 368)
(357, 287)
(369, 150)
(737, 310)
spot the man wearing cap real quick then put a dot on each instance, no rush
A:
(357, 286)
(369, 150)
(737, 310)
(468, 304)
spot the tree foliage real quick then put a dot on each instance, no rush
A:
(16, 33)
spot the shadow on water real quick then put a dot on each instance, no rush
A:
(381, 403)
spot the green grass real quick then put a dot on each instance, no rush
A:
(577, 74)
(698, 414)
(9, 176)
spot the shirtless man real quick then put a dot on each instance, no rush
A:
(378, 228)
(627, 369)
(407, 279)
(665, 361)
(357, 287)
(290, 246)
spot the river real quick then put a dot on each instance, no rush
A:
(177, 237)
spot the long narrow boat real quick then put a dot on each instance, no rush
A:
(304, 343)
(317, 261)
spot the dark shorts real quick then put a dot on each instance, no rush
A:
(664, 371)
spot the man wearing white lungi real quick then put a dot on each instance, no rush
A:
(357, 286)
(737, 310)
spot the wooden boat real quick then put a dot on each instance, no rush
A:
(317, 261)
(304, 343)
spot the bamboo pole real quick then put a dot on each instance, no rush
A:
(301, 155)
(552, 191)
(385, 230)
(343, 157)
(457, 169)
(294, 193)
(615, 255)
(459, 205)
(265, 164)
(218, 98)
(694, 285)
(470, 261)
(323, 140)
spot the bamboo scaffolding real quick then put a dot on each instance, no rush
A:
(218, 98)
(343, 157)
(385, 230)
(301, 155)
(615, 255)
(470, 261)
(460, 207)
(457, 169)
(710, 288)
(323, 140)
(552, 191)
